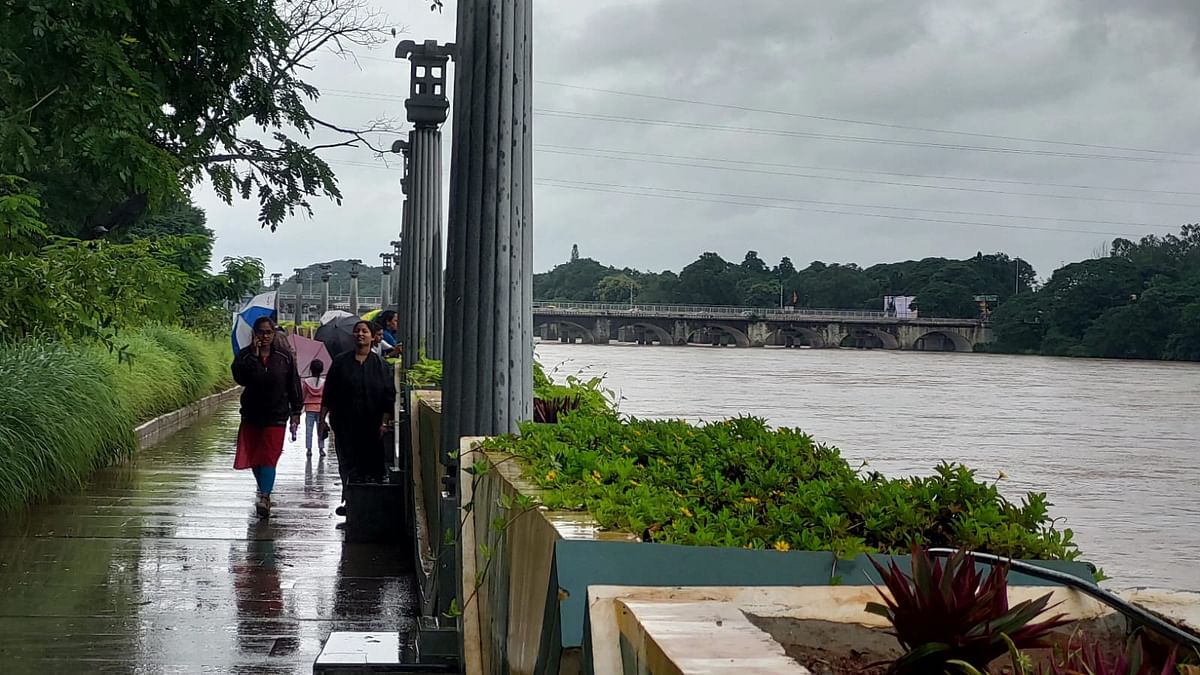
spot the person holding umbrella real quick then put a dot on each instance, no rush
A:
(357, 404)
(271, 395)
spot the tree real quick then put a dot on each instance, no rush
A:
(785, 268)
(574, 252)
(617, 288)
(114, 107)
(710, 280)
(752, 265)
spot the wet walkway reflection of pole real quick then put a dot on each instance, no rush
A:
(161, 566)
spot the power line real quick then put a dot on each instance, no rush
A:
(728, 198)
(869, 181)
(971, 179)
(571, 114)
(696, 196)
(844, 120)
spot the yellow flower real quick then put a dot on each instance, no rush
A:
(596, 476)
(552, 475)
(625, 448)
(751, 500)
(698, 479)
(684, 511)
(782, 545)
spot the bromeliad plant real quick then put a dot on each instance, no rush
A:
(948, 611)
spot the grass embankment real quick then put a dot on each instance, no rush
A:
(68, 409)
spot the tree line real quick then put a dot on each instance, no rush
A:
(942, 287)
(1140, 300)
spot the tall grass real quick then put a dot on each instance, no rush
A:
(66, 410)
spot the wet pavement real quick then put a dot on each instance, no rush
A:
(161, 566)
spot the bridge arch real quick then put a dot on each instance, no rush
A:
(665, 337)
(942, 341)
(869, 338)
(589, 337)
(812, 336)
(739, 338)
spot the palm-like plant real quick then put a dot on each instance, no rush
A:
(947, 610)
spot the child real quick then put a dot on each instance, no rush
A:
(314, 389)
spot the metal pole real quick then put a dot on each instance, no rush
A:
(325, 288)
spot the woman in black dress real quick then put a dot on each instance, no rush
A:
(357, 405)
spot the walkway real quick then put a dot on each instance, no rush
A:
(161, 567)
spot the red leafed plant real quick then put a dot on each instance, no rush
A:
(947, 610)
(547, 410)
(1092, 659)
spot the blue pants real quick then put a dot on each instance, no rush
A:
(310, 421)
(265, 477)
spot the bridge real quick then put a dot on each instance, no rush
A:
(600, 323)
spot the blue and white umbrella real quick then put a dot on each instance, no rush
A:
(260, 305)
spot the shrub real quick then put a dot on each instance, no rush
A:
(740, 483)
(66, 410)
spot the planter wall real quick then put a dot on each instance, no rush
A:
(163, 427)
(528, 614)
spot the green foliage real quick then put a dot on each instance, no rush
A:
(115, 106)
(66, 410)
(1142, 301)
(574, 393)
(946, 610)
(72, 288)
(426, 372)
(20, 216)
(740, 483)
(943, 287)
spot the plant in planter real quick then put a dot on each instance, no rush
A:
(1092, 658)
(947, 612)
(740, 483)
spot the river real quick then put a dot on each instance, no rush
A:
(1113, 443)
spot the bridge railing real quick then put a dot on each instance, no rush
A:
(704, 310)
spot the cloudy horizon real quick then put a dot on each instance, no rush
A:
(666, 128)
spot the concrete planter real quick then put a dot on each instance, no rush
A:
(541, 604)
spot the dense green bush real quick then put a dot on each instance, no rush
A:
(740, 483)
(66, 410)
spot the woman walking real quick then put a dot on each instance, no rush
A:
(314, 390)
(357, 404)
(270, 396)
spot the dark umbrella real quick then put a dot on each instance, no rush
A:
(338, 335)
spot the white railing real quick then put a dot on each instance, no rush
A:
(728, 312)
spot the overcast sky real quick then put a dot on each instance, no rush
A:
(789, 178)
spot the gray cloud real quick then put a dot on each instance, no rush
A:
(1103, 72)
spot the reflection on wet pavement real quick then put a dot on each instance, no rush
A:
(160, 566)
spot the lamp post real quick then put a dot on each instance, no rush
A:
(325, 274)
(354, 285)
(385, 281)
(299, 298)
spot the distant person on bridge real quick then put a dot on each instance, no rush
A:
(357, 405)
(271, 395)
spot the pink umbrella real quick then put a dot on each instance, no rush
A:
(306, 352)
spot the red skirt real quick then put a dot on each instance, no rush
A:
(258, 446)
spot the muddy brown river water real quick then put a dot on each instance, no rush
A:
(1113, 443)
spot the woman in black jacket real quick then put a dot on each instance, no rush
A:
(270, 396)
(358, 401)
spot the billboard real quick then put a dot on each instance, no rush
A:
(900, 306)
